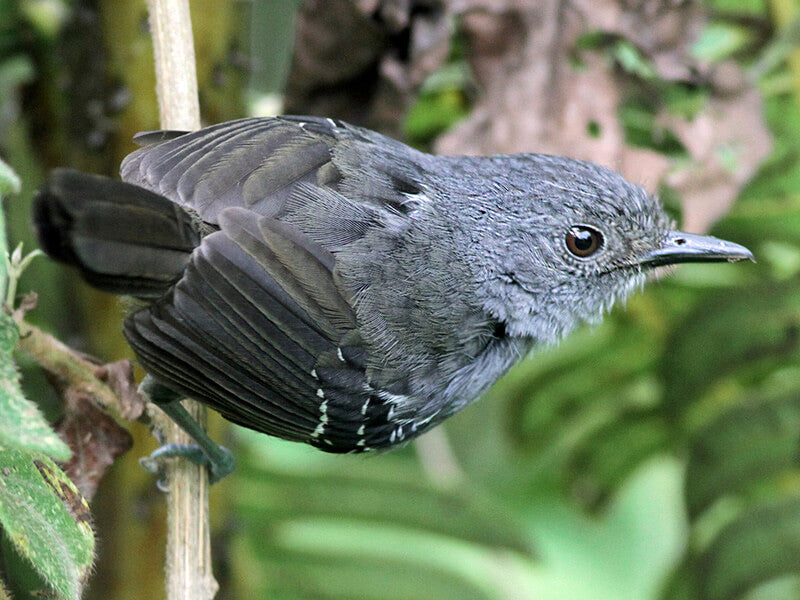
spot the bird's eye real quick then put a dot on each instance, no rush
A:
(583, 241)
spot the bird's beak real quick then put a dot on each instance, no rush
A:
(679, 247)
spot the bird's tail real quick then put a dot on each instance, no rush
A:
(123, 238)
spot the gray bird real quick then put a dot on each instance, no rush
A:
(325, 284)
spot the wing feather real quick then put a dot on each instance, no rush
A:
(174, 354)
(285, 356)
(261, 324)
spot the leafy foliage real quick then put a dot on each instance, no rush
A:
(41, 510)
(379, 529)
(47, 520)
(21, 424)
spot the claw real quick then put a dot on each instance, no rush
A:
(219, 460)
(219, 466)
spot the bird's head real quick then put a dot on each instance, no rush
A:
(572, 238)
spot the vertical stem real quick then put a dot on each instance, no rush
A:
(9, 183)
(188, 567)
(176, 73)
(784, 12)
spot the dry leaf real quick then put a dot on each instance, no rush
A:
(534, 100)
(94, 438)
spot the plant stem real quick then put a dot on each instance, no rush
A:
(188, 569)
(784, 12)
(65, 364)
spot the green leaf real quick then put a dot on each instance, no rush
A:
(738, 7)
(767, 222)
(573, 392)
(9, 182)
(323, 528)
(784, 259)
(779, 48)
(327, 528)
(631, 59)
(21, 423)
(731, 339)
(435, 113)
(638, 115)
(720, 463)
(644, 525)
(614, 452)
(331, 489)
(721, 40)
(47, 520)
(761, 545)
(350, 559)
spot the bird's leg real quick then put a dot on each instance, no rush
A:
(205, 451)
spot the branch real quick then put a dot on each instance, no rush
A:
(68, 366)
(188, 568)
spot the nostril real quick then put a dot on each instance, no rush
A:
(680, 242)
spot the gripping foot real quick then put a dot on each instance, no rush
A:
(222, 465)
(218, 459)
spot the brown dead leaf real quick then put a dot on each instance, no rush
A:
(88, 390)
(727, 141)
(534, 100)
(94, 438)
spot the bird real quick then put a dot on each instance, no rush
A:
(322, 283)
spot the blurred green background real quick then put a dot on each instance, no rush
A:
(653, 457)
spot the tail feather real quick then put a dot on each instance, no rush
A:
(123, 238)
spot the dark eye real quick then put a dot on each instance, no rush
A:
(584, 241)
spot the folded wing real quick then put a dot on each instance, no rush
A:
(259, 329)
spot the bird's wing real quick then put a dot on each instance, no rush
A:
(259, 164)
(258, 329)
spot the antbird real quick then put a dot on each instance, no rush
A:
(325, 284)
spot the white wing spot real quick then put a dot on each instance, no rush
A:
(314, 374)
(421, 422)
(323, 418)
(364, 407)
(339, 353)
(318, 431)
(419, 198)
(320, 393)
(360, 431)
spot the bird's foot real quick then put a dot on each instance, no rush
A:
(220, 465)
